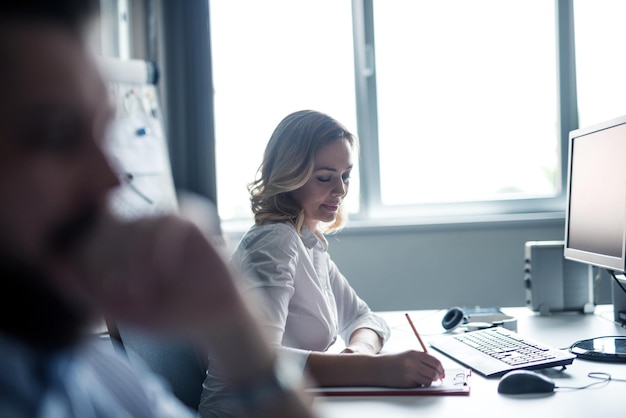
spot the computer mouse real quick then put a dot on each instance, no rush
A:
(525, 381)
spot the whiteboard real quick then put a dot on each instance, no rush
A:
(136, 145)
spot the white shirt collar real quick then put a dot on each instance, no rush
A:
(310, 239)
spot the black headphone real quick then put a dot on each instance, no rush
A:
(453, 318)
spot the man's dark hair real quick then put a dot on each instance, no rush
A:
(71, 14)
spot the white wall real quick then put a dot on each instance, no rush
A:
(439, 266)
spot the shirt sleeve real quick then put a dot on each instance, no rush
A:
(268, 264)
(94, 381)
(353, 312)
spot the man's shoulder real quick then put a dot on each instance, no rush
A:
(135, 386)
(89, 374)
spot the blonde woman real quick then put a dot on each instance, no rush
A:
(306, 301)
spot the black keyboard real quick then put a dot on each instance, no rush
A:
(495, 351)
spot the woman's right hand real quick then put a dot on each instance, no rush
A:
(407, 369)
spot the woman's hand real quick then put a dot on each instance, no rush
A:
(407, 369)
(399, 370)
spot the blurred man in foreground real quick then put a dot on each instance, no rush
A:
(65, 262)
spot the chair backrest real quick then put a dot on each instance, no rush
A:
(179, 363)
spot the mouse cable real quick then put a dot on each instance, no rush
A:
(603, 377)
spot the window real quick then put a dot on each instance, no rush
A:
(455, 102)
(467, 100)
(600, 59)
(271, 58)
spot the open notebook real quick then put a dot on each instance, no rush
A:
(456, 382)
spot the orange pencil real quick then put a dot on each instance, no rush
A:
(417, 334)
(408, 318)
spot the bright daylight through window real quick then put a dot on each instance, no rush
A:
(271, 58)
(467, 104)
(600, 59)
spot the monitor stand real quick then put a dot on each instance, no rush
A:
(619, 299)
(610, 348)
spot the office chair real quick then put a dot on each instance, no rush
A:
(182, 365)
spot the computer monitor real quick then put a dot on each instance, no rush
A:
(595, 227)
(595, 222)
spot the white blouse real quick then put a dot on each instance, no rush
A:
(306, 300)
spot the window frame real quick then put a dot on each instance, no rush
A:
(371, 207)
(372, 212)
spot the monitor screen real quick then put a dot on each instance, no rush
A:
(595, 227)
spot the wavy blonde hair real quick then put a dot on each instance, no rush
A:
(288, 163)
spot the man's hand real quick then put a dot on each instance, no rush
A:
(160, 273)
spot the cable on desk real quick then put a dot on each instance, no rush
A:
(603, 377)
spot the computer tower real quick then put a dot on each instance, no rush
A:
(554, 283)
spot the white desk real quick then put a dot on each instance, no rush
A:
(558, 330)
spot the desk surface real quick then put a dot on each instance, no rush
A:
(559, 330)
